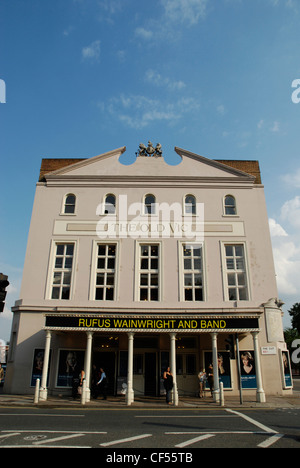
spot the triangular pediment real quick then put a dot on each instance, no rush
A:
(108, 165)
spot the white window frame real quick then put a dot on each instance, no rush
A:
(185, 204)
(139, 271)
(226, 271)
(104, 204)
(154, 205)
(94, 269)
(62, 213)
(51, 268)
(224, 206)
(182, 272)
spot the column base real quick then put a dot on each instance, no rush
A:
(216, 396)
(129, 397)
(260, 397)
(43, 394)
(175, 396)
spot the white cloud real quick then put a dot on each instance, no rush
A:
(290, 211)
(287, 266)
(157, 79)
(260, 124)
(276, 230)
(91, 52)
(144, 33)
(137, 111)
(275, 127)
(185, 11)
(286, 249)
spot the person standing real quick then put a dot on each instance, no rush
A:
(168, 384)
(1, 373)
(103, 383)
(202, 379)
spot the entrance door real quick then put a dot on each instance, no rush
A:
(107, 361)
(150, 374)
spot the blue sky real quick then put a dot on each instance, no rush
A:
(212, 76)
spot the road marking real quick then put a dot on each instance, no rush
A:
(193, 441)
(252, 421)
(270, 441)
(58, 431)
(45, 414)
(188, 416)
(129, 439)
(70, 436)
(212, 432)
(9, 435)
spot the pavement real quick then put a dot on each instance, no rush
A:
(287, 401)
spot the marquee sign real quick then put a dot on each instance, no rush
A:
(151, 323)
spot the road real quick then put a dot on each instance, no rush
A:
(163, 430)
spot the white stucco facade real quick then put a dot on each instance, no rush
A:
(113, 277)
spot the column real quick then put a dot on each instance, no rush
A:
(130, 393)
(43, 387)
(173, 367)
(260, 394)
(87, 365)
(216, 392)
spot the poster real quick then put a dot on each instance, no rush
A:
(248, 371)
(70, 363)
(37, 366)
(286, 369)
(223, 367)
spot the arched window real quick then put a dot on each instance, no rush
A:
(70, 202)
(110, 204)
(190, 205)
(230, 205)
(149, 204)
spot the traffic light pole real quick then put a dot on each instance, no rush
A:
(239, 366)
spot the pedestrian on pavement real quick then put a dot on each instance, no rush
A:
(168, 384)
(103, 383)
(1, 373)
(202, 379)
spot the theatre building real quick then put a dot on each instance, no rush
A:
(137, 267)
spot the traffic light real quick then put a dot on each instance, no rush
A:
(3, 285)
(230, 346)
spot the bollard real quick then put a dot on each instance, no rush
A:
(37, 391)
(83, 392)
(221, 394)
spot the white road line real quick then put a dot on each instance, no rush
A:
(9, 435)
(212, 432)
(129, 439)
(252, 421)
(188, 416)
(70, 436)
(193, 441)
(57, 431)
(45, 414)
(46, 446)
(270, 441)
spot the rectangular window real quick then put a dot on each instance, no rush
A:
(105, 272)
(62, 271)
(149, 272)
(236, 272)
(192, 257)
